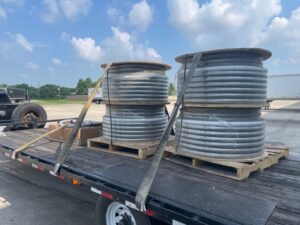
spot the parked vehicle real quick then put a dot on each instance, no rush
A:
(18, 112)
(284, 87)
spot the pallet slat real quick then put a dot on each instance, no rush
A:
(140, 150)
(234, 170)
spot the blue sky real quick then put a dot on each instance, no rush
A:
(60, 41)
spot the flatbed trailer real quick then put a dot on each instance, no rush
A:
(179, 195)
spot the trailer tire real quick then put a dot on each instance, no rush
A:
(24, 109)
(104, 206)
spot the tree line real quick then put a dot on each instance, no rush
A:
(52, 91)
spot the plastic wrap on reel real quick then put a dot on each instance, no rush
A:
(232, 77)
(132, 83)
(134, 123)
(221, 133)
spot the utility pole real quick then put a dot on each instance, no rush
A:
(38, 90)
(58, 92)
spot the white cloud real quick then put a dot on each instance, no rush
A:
(7, 7)
(32, 66)
(52, 11)
(23, 42)
(3, 14)
(152, 53)
(65, 36)
(56, 61)
(120, 46)
(12, 1)
(282, 36)
(70, 9)
(222, 23)
(243, 23)
(115, 14)
(140, 15)
(86, 49)
(282, 31)
(24, 76)
(74, 8)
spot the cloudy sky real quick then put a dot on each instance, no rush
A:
(60, 41)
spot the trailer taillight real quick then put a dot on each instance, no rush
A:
(107, 195)
(149, 212)
(75, 182)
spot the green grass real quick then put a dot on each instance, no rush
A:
(56, 102)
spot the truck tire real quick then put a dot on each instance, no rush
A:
(27, 112)
(108, 213)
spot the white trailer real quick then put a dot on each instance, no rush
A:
(98, 97)
(284, 87)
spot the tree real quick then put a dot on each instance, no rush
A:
(171, 89)
(83, 85)
(64, 91)
(49, 91)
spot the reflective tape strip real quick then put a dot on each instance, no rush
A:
(7, 154)
(95, 190)
(131, 205)
(175, 222)
(34, 166)
(20, 160)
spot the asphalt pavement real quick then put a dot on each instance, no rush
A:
(31, 197)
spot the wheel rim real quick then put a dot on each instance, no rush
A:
(29, 118)
(117, 213)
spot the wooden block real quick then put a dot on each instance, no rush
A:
(276, 145)
(83, 135)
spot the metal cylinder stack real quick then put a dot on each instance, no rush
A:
(221, 117)
(135, 94)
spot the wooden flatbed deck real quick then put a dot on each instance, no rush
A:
(235, 202)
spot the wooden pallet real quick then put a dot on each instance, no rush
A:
(140, 150)
(231, 169)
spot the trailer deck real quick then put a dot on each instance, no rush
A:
(184, 194)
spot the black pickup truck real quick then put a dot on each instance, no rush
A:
(17, 112)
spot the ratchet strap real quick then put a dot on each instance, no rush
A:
(181, 114)
(144, 188)
(69, 142)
